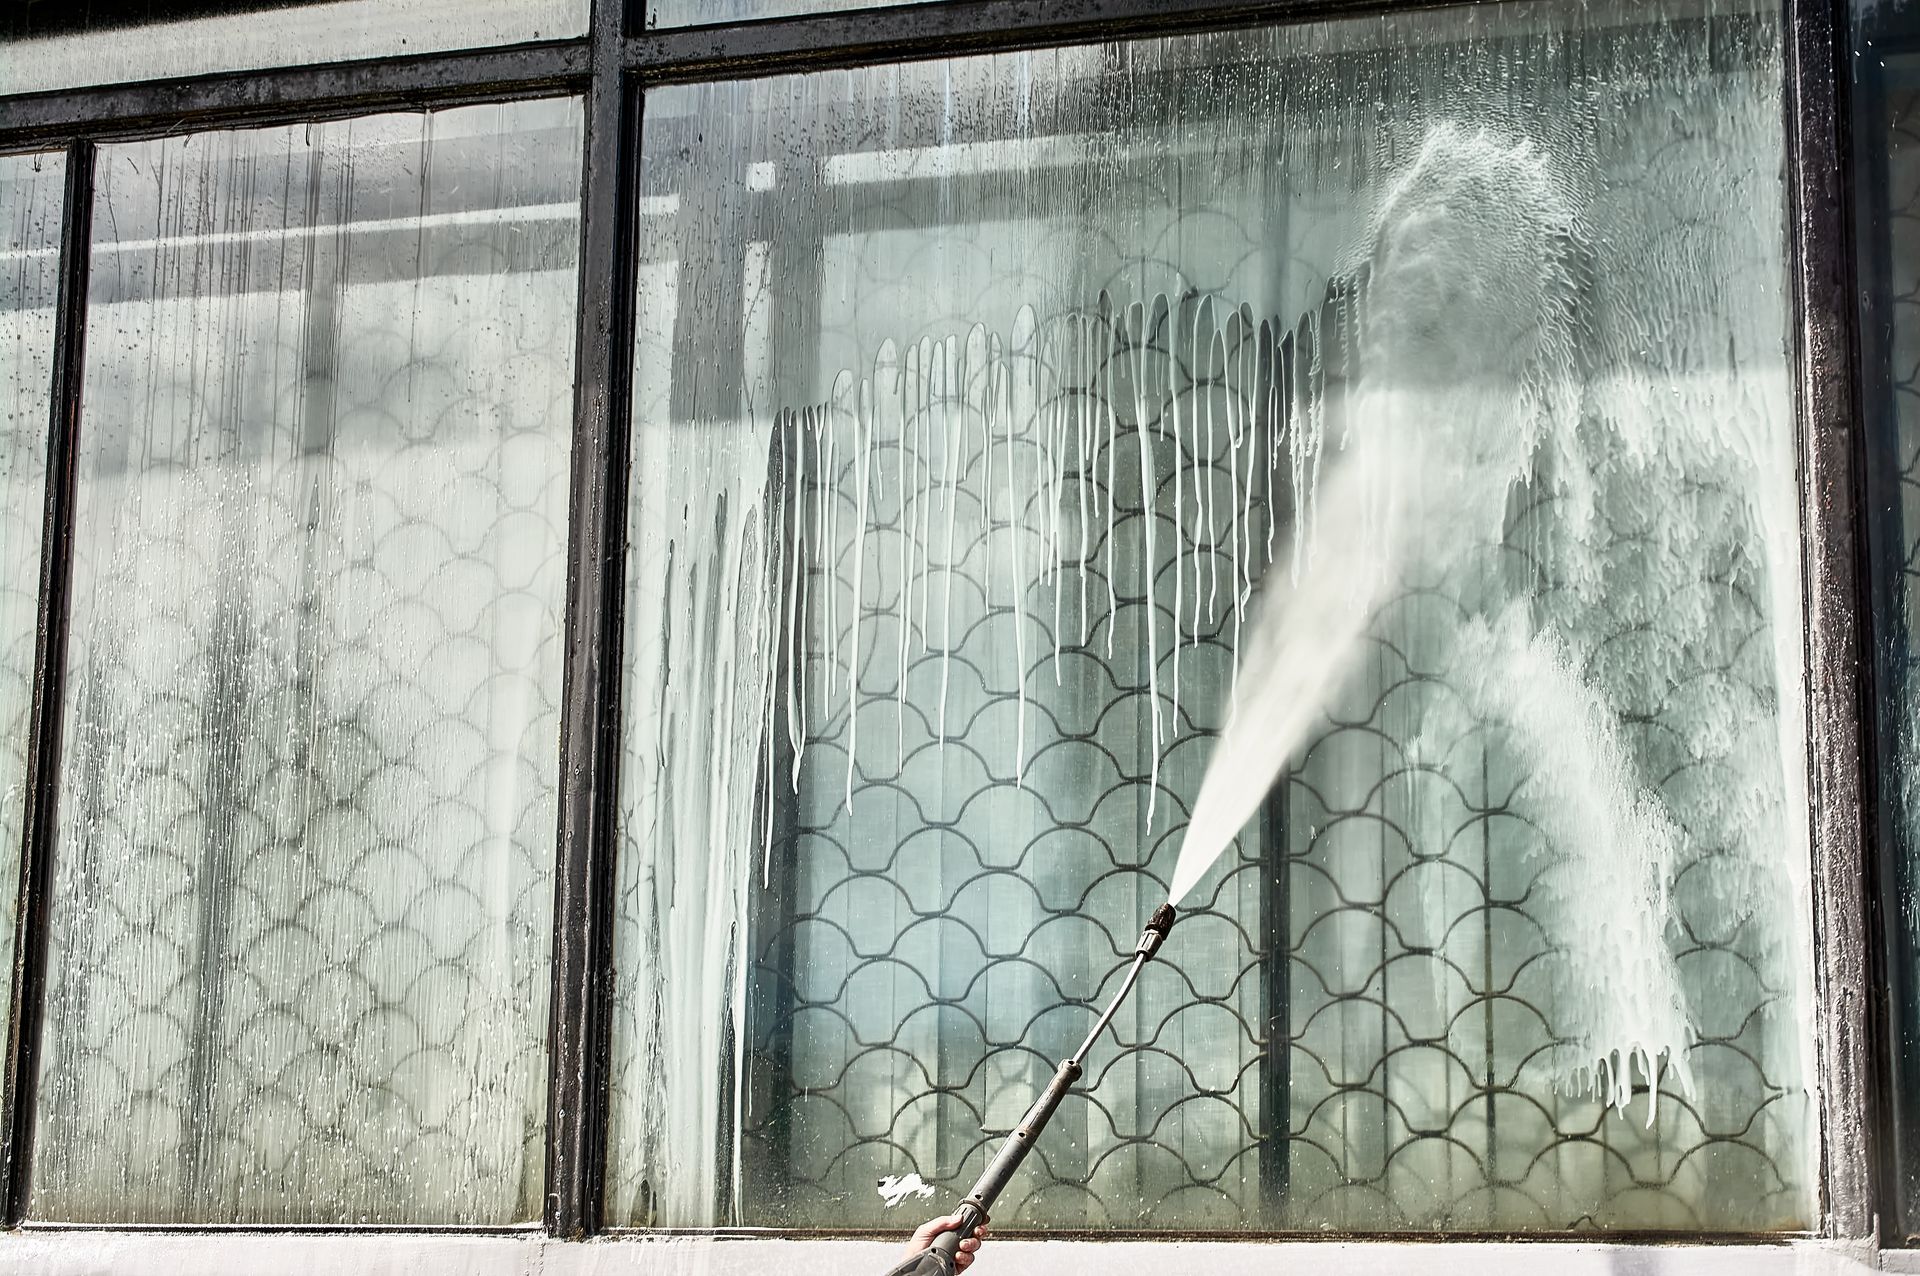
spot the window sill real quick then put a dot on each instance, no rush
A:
(216, 1254)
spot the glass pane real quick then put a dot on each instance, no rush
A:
(302, 913)
(687, 13)
(980, 407)
(71, 44)
(31, 199)
(1887, 129)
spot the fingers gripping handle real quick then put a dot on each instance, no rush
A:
(948, 1243)
(974, 1209)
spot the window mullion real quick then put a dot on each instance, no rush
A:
(1824, 359)
(589, 732)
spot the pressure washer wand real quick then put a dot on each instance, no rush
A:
(979, 1203)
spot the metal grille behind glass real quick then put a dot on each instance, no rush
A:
(302, 893)
(975, 403)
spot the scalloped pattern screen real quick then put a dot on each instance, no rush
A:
(302, 913)
(980, 408)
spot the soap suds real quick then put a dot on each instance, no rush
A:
(896, 1188)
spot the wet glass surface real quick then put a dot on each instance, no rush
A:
(982, 405)
(62, 44)
(31, 198)
(302, 912)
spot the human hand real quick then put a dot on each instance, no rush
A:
(923, 1239)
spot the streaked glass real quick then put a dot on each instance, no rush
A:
(31, 189)
(77, 42)
(981, 404)
(301, 921)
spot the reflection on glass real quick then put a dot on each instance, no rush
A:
(82, 42)
(302, 910)
(31, 189)
(980, 405)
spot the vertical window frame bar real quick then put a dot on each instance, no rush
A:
(46, 717)
(1891, 844)
(584, 881)
(1825, 355)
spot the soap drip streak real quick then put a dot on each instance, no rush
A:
(1020, 436)
(1107, 399)
(1136, 339)
(908, 486)
(863, 441)
(1002, 392)
(951, 435)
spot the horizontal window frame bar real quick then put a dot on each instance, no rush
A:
(510, 1231)
(1592, 1256)
(292, 95)
(1302, 1236)
(949, 28)
(1081, 1235)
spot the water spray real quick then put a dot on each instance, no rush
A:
(938, 1260)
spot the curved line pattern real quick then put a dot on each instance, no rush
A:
(926, 954)
(299, 968)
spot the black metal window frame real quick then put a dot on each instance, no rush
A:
(612, 67)
(1884, 50)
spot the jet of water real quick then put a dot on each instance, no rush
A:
(1305, 638)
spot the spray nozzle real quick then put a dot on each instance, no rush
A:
(1156, 932)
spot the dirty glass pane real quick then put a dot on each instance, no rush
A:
(31, 189)
(983, 407)
(61, 44)
(302, 903)
(1887, 184)
(686, 13)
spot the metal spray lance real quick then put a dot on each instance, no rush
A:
(938, 1260)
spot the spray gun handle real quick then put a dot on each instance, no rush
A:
(1000, 1170)
(971, 1217)
(973, 1211)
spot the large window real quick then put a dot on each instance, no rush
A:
(613, 613)
(979, 404)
